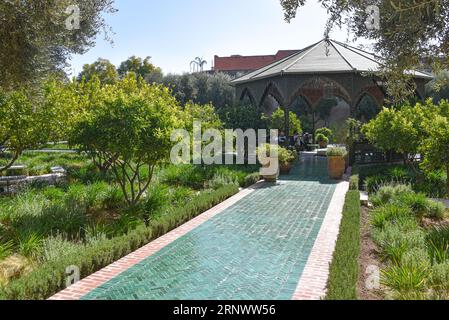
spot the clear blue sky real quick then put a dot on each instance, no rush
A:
(173, 32)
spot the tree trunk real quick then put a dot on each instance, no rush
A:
(447, 179)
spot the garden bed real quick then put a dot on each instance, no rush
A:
(85, 220)
(406, 237)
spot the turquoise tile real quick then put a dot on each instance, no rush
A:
(256, 249)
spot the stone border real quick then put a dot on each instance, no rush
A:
(86, 285)
(313, 282)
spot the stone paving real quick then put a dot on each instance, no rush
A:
(259, 247)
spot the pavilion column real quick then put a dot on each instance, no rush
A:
(287, 121)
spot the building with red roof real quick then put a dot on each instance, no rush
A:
(237, 64)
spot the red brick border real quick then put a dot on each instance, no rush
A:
(313, 282)
(83, 287)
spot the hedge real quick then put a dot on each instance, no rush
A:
(49, 278)
(344, 270)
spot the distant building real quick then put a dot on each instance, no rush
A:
(237, 65)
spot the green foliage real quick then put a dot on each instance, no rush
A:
(435, 146)
(390, 192)
(344, 269)
(41, 43)
(131, 127)
(141, 68)
(438, 244)
(202, 88)
(354, 182)
(103, 69)
(49, 278)
(22, 125)
(242, 116)
(418, 26)
(388, 213)
(432, 183)
(30, 246)
(324, 131)
(6, 249)
(277, 121)
(405, 279)
(336, 152)
(321, 139)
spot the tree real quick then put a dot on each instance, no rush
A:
(39, 36)
(242, 116)
(142, 68)
(438, 88)
(24, 124)
(132, 125)
(420, 26)
(399, 130)
(197, 65)
(435, 147)
(278, 121)
(103, 69)
(201, 88)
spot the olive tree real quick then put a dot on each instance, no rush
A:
(39, 36)
(421, 27)
(131, 126)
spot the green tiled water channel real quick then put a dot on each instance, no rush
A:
(256, 249)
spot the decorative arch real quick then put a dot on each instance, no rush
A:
(376, 95)
(314, 90)
(273, 90)
(247, 93)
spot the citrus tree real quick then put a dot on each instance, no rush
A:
(399, 130)
(24, 124)
(278, 121)
(131, 126)
(435, 146)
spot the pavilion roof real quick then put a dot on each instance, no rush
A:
(326, 56)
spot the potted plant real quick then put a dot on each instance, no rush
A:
(336, 162)
(268, 172)
(286, 160)
(322, 140)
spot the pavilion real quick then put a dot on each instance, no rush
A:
(324, 69)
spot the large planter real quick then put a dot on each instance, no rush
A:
(285, 168)
(336, 167)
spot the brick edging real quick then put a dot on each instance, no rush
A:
(86, 285)
(313, 282)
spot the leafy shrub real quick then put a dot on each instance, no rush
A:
(439, 279)
(436, 210)
(326, 132)
(113, 197)
(373, 183)
(54, 248)
(354, 182)
(251, 179)
(390, 192)
(155, 202)
(30, 246)
(417, 202)
(336, 152)
(221, 180)
(388, 213)
(438, 244)
(405, 278)
(321, 139)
